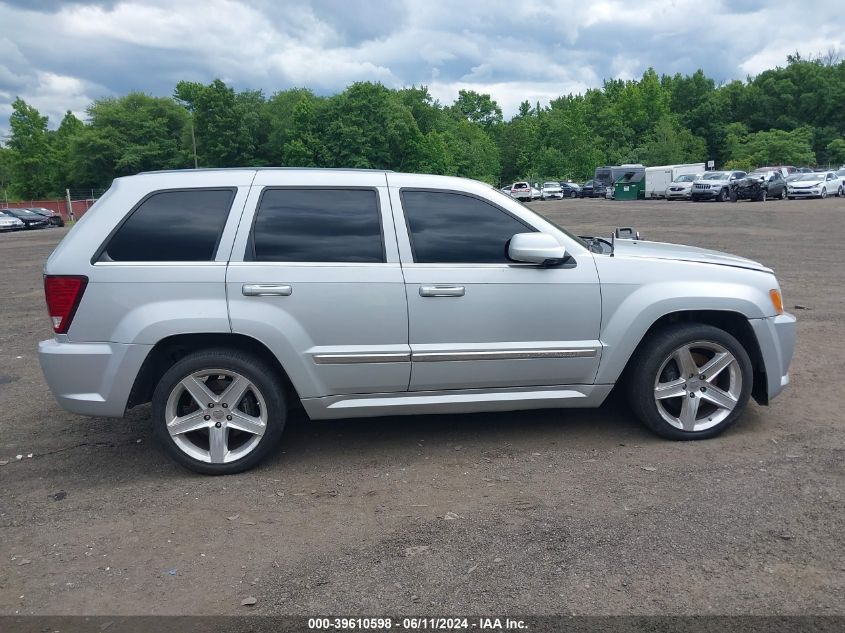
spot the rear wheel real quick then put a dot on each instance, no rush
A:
(690, 381)
(219, 412)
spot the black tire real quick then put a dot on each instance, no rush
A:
(734, 196)
(573, 195)
(723, 195)
(651, 355)
(256, 371)
(824, 193)
(783, 194)
(762, 196)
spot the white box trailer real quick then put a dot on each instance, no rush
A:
(658, 178)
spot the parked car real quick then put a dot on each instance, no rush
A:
(30, 220)
(816, 185)
(522, 191)
(53, 218)
(714, 185)
(681, 187)
(536, 193)
(759, 185)
(8, 222)
(551, 190)
(570, 189)
(506, 189)
(423, 267)
(784, 170)
(593, 189)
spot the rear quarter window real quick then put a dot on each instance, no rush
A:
(172, 226)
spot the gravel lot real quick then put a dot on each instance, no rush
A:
(557, 511)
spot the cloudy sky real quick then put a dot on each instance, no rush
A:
(61, 55)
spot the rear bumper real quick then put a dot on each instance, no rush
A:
(91, 378)
(776, 337)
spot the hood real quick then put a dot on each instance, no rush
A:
(815, 182)
(678, 252)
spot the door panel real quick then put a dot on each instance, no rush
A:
(509, 324)
(336, 327)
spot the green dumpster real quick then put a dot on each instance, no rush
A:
(630, 186)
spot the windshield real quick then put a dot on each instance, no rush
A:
(551, 184)
(535, 214)
(716, 175)
(520, 185)
(685, 178)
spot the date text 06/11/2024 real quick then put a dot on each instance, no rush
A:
(416, 624)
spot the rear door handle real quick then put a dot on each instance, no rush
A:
(442, 291)
(266, 290)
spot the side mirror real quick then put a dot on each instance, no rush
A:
(536, 248)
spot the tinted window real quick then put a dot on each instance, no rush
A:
(173, 226)
(318, 225)
(454, 228)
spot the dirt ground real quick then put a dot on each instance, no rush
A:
(558, 512)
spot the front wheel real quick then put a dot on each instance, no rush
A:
(690, 381)
(824, 193)
(723, 195)
(783, 194)
(573, 195)
(219, 411)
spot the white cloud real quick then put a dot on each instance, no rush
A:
(536, 50)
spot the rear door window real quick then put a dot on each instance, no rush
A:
(172, 226)
(317, 225)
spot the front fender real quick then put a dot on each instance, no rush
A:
(629, 310)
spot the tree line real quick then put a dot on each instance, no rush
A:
(786, 115)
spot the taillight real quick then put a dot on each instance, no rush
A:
(63, 294)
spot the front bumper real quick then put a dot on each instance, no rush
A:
(674, 195)
(91, 378)
(776, 337)
(804, 193)
(705, 194)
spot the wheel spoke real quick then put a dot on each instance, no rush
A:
(715, 365)
(672, 389)
(721, 399)
(218, 444)
(686, 363)
(187, 423)
(689, 413)
(235, 391)
(247, 423)
(201, 394)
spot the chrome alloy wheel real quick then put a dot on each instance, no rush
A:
(698, 386)
(216, 416)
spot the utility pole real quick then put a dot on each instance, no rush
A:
(69, 205)
(194, 140)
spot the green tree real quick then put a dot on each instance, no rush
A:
(836, 151)
(225, 134)
(62, 157)
(127, 135)
(30, 151)
(477, 108)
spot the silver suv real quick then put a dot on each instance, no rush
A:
(225, 296)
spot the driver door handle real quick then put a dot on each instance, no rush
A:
(442, 291)
(266, 290)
